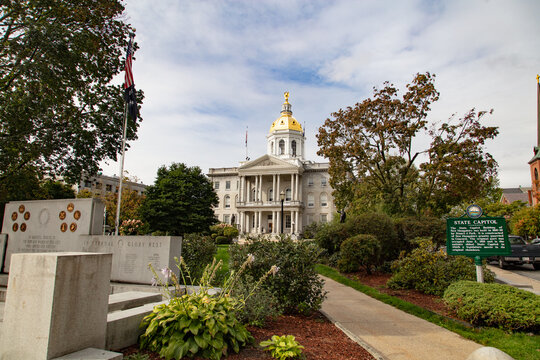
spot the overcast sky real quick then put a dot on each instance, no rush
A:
(209, 69)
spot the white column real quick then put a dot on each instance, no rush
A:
(274, 187)
(292, 188)
(242, 188)
(278, 188)
(260, 188)
(297, 177)
(296, 224)
(256, 188)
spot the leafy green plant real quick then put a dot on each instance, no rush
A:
(137, 356)
(431, 271)
(297, 285)
(198, 324)
(197, 251)
(360, 250)
(283, 347)
(494, 305)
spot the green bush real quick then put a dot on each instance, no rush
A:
(431, 271)
(283, 347)
(221, 240)
(330, 236)
(311, 230)
(382, 227)
(297, 286)
(197, 251)
(258, 307)
(359, 251)
(410, 228)
(494, 305)
(230, 232)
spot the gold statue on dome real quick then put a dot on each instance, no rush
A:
(286, 93)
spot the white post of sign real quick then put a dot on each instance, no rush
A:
(479, 270)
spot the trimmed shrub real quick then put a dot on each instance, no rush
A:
(359, 251)
(410, 228)
(296, 286)
(494, 305)
(230, 232)
(197, 251)
(379, 225)
(220, 240)
(330, 236)
(431, 271)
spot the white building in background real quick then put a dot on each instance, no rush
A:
(249, 195)
(102, 184)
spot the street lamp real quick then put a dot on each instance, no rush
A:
(282, 198)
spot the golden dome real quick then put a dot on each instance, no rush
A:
(286, 121)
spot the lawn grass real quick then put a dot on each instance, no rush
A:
(521, 346)
(223, 255)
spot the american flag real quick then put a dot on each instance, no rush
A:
(129, 85)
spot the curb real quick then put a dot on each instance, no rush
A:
(374, 352)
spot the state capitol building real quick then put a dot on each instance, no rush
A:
(250, 195)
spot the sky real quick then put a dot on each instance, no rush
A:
(212, 69)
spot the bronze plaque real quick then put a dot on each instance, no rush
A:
(21, 208)
(62, 215)
(15, 227)
(27, 215)
(73, 227)
(63, 227)
(14, 216)
(70, 207)
(77, 215)
(23, 227)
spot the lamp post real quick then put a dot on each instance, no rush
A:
(282, 198)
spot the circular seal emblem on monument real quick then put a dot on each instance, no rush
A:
(73, 227)
(474, 211)
(63, 227)
(14, 216)
(27, 215)
(15, 227)
(62, 215)
(23, 227)
(43, 216)
(77, 215)
(21, 208)
(70, 207)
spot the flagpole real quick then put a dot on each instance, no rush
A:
(119, 201)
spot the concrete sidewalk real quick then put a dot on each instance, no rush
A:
(389, 333)
(516, 280)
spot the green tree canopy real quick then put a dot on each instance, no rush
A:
(375, 163)
(59, 112)
(180, 201)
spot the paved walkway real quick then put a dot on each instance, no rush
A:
(391, 334)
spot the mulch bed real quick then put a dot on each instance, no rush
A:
(320, 338)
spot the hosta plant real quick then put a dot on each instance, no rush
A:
(197, 323)
(283, 347)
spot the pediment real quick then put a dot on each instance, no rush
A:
(268, 163)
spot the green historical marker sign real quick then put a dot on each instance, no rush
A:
(475, 235)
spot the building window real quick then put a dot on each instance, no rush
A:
(281, 147)
(108, 187)
(99, 186)
(271, 195)
(309, 219)
(310, 200)
(287, 221)
(216, 185)
(536, 174)
(288, 195)
(253, 194)
(227, 185)
(323, 181)
(293, 147)
(324, 199)
(227, 201)
(324, 218)
(226, 219)
(87, 183)
(310, 181)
